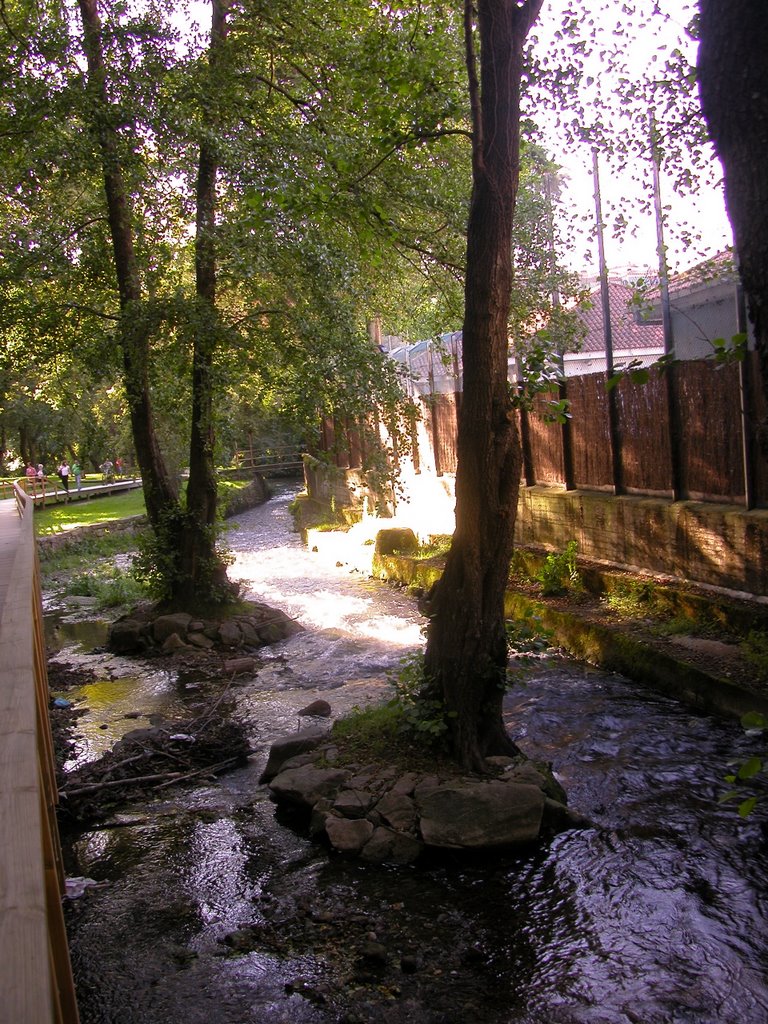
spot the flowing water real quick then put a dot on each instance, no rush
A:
(657, 915)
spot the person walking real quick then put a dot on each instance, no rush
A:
(31, 475)
(77, 473)
(64, 475)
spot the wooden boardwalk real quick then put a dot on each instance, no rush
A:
(55, 493)
(10, 534)
(36, 985)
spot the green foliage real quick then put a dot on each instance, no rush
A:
(422, 711)
(754, 723)
(666, 613)
(560, 573)
(730, 350)
(527, 640)
(112, 587)
(86, 552)
(228, 489)
(158, 567)
(56, 518)
(437, 547)
(373, 733)
(632, 598)
(755, 650)
(634, 371)
(681, 623)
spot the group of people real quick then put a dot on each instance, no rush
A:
(37, 477)
(111, 470)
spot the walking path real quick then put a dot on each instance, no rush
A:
(10, 531)
(54, 492)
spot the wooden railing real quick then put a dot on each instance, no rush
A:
(274, 460)
(36, 985)
(50, 491)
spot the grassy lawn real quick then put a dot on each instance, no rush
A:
(58, 518)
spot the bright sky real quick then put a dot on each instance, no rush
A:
(703, 214)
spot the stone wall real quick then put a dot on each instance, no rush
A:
(714, 545)
(705, 543)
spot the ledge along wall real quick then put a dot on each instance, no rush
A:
(700, 542)
(703, 543)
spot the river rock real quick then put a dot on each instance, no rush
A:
(317, 709)
(396, 539)
(478, 815)
(199, 640)
(353, 803)
(559, 818)
(173, 643)
(230, 633)
(249, 632)
(305, 785)
(348, 835)
(257, 626)
(286, 747)
(239, 666)
(126, 636)
(388, 846)
(398, 810)
(402, 814)
(165, 625)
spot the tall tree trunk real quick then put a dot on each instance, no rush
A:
(201, 568)
(160, 491)
(734, 97)
(466, 657)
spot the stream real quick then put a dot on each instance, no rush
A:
(203, 906)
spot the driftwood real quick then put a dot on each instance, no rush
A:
(165, 778)
(210, 743)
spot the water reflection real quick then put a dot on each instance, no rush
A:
(657, 915)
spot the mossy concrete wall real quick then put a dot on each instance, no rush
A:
(704, 543)
(611, 649)
(715, 545)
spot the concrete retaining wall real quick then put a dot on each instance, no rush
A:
(708, 544)
(703, 543)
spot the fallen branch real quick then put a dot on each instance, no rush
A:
(200, 771)
(164, 778)
(133, 780)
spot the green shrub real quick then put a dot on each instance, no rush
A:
(87, 551)
(559, 573)
(437, 547)
(423, 712)
(677, 624)
(755, 650)
(110, 586)
(527, 639)
(632, 598)
(370, 734)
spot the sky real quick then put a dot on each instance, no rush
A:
(703, 214)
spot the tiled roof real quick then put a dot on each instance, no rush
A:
(626, 332)
(721, 267)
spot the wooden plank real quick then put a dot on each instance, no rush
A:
(33, 948)
(23, 911)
